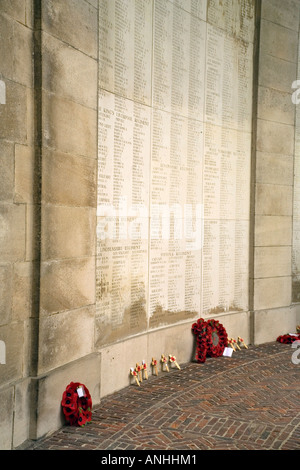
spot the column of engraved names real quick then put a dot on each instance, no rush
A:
(178, 169)
(124, 141)
(160, 186)
(220, 167)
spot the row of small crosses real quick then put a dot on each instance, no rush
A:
(235, 344)
(141, 371)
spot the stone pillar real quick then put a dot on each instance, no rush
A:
(66, 52)
(273, 169)
(17, 202)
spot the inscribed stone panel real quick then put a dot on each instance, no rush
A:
(174, 149)
(125, 48)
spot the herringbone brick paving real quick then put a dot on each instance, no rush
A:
(247, 402)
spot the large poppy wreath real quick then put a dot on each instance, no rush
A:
(77, 404)
(211, 339)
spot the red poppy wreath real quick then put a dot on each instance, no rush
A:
(288, 339)
(211, 339)
(77, 404)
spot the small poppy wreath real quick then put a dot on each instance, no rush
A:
(211, 338)
(77, 404)
(288, 339)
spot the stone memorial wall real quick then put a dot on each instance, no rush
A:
(174, 127)
(149, 157)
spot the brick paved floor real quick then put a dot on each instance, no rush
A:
(247, 402)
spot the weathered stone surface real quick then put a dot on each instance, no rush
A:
(12, 232)
(279, 41)
(272, 261)
(65, 335)
(68, 232)
(276, 73)
(274, 168)
(268, 324)
(13, 114)
(274, 137)
(68, 72)
(272, 292)
(68, 180)
(22, 291)
(32, 242)
(282, 13)
(274, 105)
(6, 417)
(67, 284)
(14, 8)
(25, 188)
(16, 56)
(273, 230)
(236, 18)
(63, 20)
(6, 286)
(13, 337)
(22, 412)
(273, 200)
(69, 127)
(6, 171)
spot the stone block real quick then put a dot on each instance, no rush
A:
(279, 41)
(274, 200)
(32, 241)
(274, 168)
(68, 232)
(13, 114)
(30, 104)
(282, 13)
(276, 73)
(7, 38)
(296, 288)
(65, 337)
(274, 105)
(67, 284)
(69, 127)
(29, 7)
(15, 9)
(22, 54)
(25, 189)
(22, 412)
(269, 324)
(12, 232)
(6, 171)
(6, 417)
(16, 56)
(273, 230)
(69, 73)
(13, 337)
(274, 137)
(272, 292)
(22, 291)
(50, 389)
(272, 261)
(64, 20)
(69, 180)
(6, 286)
